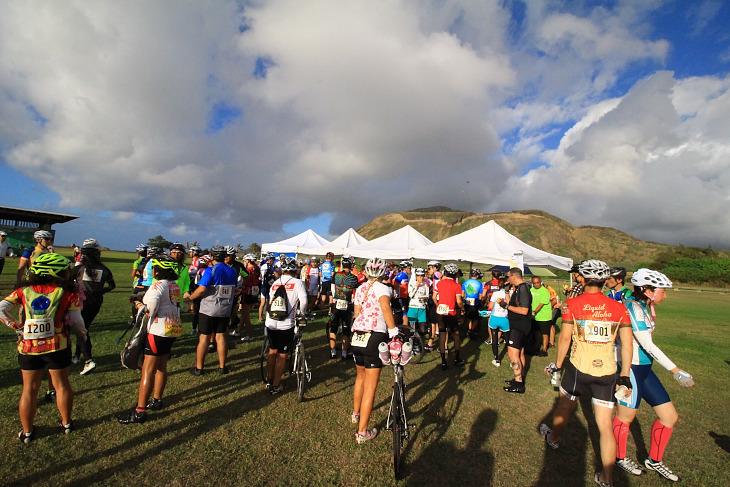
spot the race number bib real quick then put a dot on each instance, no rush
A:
(597, 331)
(38, 328)
(470, 301)
(442, 309)
(341, 304)
(254, 291)
(278, 305)
(226, 292)
(360, 339)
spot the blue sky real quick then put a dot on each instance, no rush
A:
(236, 122)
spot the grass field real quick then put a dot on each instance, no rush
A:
(225, 430)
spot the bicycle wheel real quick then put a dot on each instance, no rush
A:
(264, 358)
(417, 344)
(299, 370)
(397, 427)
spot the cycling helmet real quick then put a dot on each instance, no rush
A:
(593, 269)
(420, 271)
(230, 250)
(404, 264)
(330, 255)
(43, 234)
(314, 259)
(90, 244)
(574, 268)
(199, 252)
(347, 260)
(204, 260)
(194, 248)
(218, 252)
(177, 246)
(152, 251)
(3, 234)
(618, 272)
(375, 268)
(141, 247)
(435, 264)
(288, 264)
(451, 269)
(476, 273)
(647, 277)
(250, 257)
(165, 262)
(49, 265)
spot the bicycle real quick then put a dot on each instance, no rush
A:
(300, 367)
(410, 333)
(397, 421)
(265, 355)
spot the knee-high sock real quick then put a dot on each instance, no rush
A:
(660, 435)
(621, 433)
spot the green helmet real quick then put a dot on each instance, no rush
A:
(164, 262)
(49, 265)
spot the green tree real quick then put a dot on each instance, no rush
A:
(254, 249)
(159, 241)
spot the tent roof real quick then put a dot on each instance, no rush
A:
(348, 239)
(303, 242)
(490, 244)
(395, 245)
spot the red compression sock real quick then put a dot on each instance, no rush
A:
(621, 433)
(660, 435)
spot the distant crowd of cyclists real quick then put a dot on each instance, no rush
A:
(604, 347)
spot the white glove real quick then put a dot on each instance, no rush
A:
(684, 379)
(392, 332)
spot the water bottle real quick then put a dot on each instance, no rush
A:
(384, 353)
(555, 379)
(406, 353)
(621, 393)
(395, 346)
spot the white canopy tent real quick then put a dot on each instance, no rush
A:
(490, 244)
(304, 242)
(348, 239)
(395, 245)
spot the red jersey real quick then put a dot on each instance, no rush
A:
(446, 290)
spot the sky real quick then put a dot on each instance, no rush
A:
(250, 121)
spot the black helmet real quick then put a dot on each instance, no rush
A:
(476, 273)
(218, 252)
(618, 272)
(177, 246)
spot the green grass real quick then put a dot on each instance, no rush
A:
(224, 430)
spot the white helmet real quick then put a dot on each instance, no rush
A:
(230, 250)
(434, 263)
(595, 270)
(288, 264)
(43, 234)
(91, 244)
(451, 269)
(375, 268)
(647, 277)
(250, 257)
(3, 234)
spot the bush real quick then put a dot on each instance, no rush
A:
(705, 270)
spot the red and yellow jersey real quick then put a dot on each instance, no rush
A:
(44, 308)
(596, 320)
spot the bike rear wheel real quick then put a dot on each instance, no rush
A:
(264, 358)
(397, 427)
(300, 371)
(417, 343)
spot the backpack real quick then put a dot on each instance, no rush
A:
(132, 356)
(279, 304)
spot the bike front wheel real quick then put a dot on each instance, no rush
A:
(300, 372)
(417, 344)
(265, 358)
(397, 428)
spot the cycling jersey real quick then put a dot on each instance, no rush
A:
(343, 287)
(492, 287)
(596, 320)
(220, 282)
(497, 310)
(328, 270)
(296, 296)
(642, 327)
(472, 291)
(370, 318)
(163, 303)
(521, 298)
(446, 291)
(400, 282)
(419, 293)
(146, 280)
(621, 295)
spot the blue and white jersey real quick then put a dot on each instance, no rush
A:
(642, 327)
(328, 270)
(472, 290)
(220, 282)
(147, 278)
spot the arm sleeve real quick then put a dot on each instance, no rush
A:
(644, 339)
(5, 318)
(77, 322)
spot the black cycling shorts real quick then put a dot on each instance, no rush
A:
(448, 323)
(575, 383)
(544, 326)
(472, 313)
(59, 359)
(281, 340)
(517, 339)
(157, 345)
(207, 325)
(341, 318)
(368, 356)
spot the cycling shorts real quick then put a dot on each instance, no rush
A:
(472, 313)
(368, 356)
(60, 359)
(157, 345)
(281, 340)
(341, 318)
(575, 382)
(517, 339)
(417, 315)
(645, 385)
(207, 325)
(499, 323)
(544, 326)
(448, 323)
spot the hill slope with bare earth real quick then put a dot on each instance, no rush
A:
(534, 227)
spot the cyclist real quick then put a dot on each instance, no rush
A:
(373, 325)
(400, 288)
(328, 269)
(577, 288)
(449, 308)
(343, 285)
(141, 256)
(473, 292)
(236, 325)
(250, 293)
(203, 263)
(47, 300)
(43, 239)
(95, 279)
(492, 286)
(615, 283)
(281, 332)
(419, 290)
(268, 275)
(4, 249)
(542, 313)
(650, 290)
(163, 307)
(312, 279)
(556, 305)
(593, 322)
(216, 289)
(498, 321)
(434, 274)
(519, 314)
